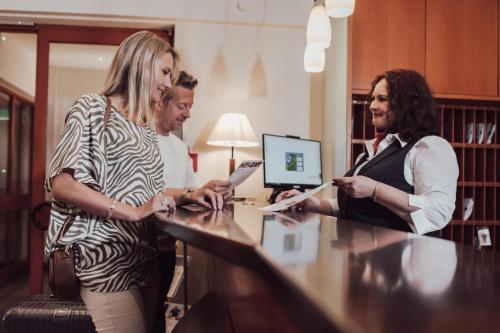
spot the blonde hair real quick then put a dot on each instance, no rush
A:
(133, 74)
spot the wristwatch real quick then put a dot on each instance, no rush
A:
(187, 190)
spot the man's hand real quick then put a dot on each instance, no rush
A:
(217, 186)
(206, 198)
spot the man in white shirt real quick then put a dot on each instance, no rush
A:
(178, 168)
(179, 175)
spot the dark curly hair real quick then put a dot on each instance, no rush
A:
(413, 108)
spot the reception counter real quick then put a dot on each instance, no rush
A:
(303, 272)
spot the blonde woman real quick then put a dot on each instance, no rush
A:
(107, 177)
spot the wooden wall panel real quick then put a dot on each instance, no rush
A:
(386, 34)
(462, 47)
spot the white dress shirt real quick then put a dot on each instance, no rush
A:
(177, 164)
(431, 167)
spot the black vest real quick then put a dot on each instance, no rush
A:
(388, 168)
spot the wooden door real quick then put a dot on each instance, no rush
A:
(462, 47)
(386, 34)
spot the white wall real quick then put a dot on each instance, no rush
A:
(335, 104)
(283, 110)
(18, 61)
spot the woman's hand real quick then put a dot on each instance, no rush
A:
(356, 186)
(159, 203)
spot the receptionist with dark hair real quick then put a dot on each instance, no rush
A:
(407, 177)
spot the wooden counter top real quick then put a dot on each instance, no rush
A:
(337, 275)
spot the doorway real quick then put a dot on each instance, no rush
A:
(53, 38)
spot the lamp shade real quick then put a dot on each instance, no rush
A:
(233, 130)
(314, 60)
(339, 8)
(319, 33)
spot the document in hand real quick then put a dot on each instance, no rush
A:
(244, 170)
(289, 202)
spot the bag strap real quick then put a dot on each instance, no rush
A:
(69, 221)
(108, 111)
(64, 228)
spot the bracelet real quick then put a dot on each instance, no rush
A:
(111, 209)
(374, 194)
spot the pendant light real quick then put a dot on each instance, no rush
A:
(339, 8)
(318, 27)
(314, 59)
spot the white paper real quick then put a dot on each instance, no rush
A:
(289, 202)
(468, 208)
(483, 235)
(480, 133)
(244, 170)
(490, 131)
(469, 132)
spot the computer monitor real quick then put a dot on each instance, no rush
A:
(291, 162)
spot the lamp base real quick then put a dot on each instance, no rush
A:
(232, 163)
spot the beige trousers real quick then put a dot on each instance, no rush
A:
(123, 311)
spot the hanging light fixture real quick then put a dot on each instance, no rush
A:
(314, 59)
(318, 27)
(339, 8)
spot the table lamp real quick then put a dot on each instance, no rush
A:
(233, 130)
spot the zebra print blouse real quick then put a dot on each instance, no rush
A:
(123, 162)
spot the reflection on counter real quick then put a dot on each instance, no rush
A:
(424, 264)
(429, 265)
(290, 238)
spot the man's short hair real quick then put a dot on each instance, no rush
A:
(184, 80)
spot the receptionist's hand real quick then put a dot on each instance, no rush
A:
(357, 186)
(291, 193)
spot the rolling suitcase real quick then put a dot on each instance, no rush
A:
(44, 313)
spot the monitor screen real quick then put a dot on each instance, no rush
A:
(291, 162)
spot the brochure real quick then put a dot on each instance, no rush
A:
(480, 133)
(469, 132)
(468, 207)
(244, 170)
(490, 130)
(289, 202)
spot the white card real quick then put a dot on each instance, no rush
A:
(483, 236)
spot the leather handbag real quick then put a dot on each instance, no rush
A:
(63, 281)
(62, 276)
